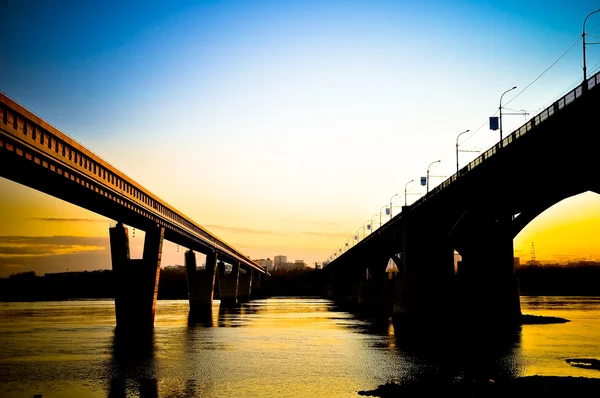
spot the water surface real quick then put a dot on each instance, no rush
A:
(278, 347)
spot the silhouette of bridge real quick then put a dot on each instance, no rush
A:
(37, 155)
(477, 212)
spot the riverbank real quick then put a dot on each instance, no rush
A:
(522, 387)
(527, 319)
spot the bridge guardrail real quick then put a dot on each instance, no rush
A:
(541, 117)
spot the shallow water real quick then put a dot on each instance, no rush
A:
(278, 347)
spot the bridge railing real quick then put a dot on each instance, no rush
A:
(541, 117)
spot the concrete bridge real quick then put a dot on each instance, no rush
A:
(477, 212)
(35, 154)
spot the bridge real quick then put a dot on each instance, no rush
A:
(476, 212)
(35, 154)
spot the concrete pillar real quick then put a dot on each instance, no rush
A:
(258, 287)
(228, 284)
(136, 280)
(245, 285)
(487, 285)
(201, 284)
(424, 287)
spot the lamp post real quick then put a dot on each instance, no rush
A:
(466, 131)
(500, 109)
(583, 37)
(363, 227)
(406, 185)
(391, 204)
(380, 215)
(437, 161)
(373, 216)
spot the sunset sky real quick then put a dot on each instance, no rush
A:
(281, 126)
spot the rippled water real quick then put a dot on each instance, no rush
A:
(279, 347)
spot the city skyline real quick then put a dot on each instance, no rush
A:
(282, 127)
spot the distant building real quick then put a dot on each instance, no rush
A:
(267, 264)
(517, 263)
(279, 261)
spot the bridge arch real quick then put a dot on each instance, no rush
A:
(528, 224)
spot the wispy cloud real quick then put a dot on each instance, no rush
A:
(328, 234)
(58, 219)
(79, 261)
(312, 222)
(35, 246)
(240, 230)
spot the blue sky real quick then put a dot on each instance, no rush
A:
(295, 118)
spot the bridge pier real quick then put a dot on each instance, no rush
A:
(257, 282)
(423, 290)
(346, 287)
(245, 285)
(201, 284)
(487, 284)
(136, 280)
(228, 284)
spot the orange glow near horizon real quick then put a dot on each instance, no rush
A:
(568, 231)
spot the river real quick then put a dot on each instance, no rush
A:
(276, 347)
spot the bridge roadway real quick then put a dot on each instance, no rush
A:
(37, 155)
(477, 212)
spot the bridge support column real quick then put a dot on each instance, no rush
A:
(201, 284)
(349, 286)
(488, 286)
(423, 290)
(257, 282)
(228, 284)
(136, 280)
(245, 285)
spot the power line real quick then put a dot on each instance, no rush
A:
(522, 91)
(544, 72)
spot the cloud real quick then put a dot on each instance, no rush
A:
(340, 235)
(239, 230)
(44, 254)
(312, 222)
(79, 261)
(36, 246)
(51, 219)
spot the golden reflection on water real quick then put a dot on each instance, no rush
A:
(392, 335)
(552, 345)
(281, 347)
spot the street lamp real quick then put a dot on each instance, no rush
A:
(375, 215)
(466, 131)
(391, 205)
(437, 161)
(583, 37)
(500, 109)
(405, 204)
(385, 206)
(368, 227)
